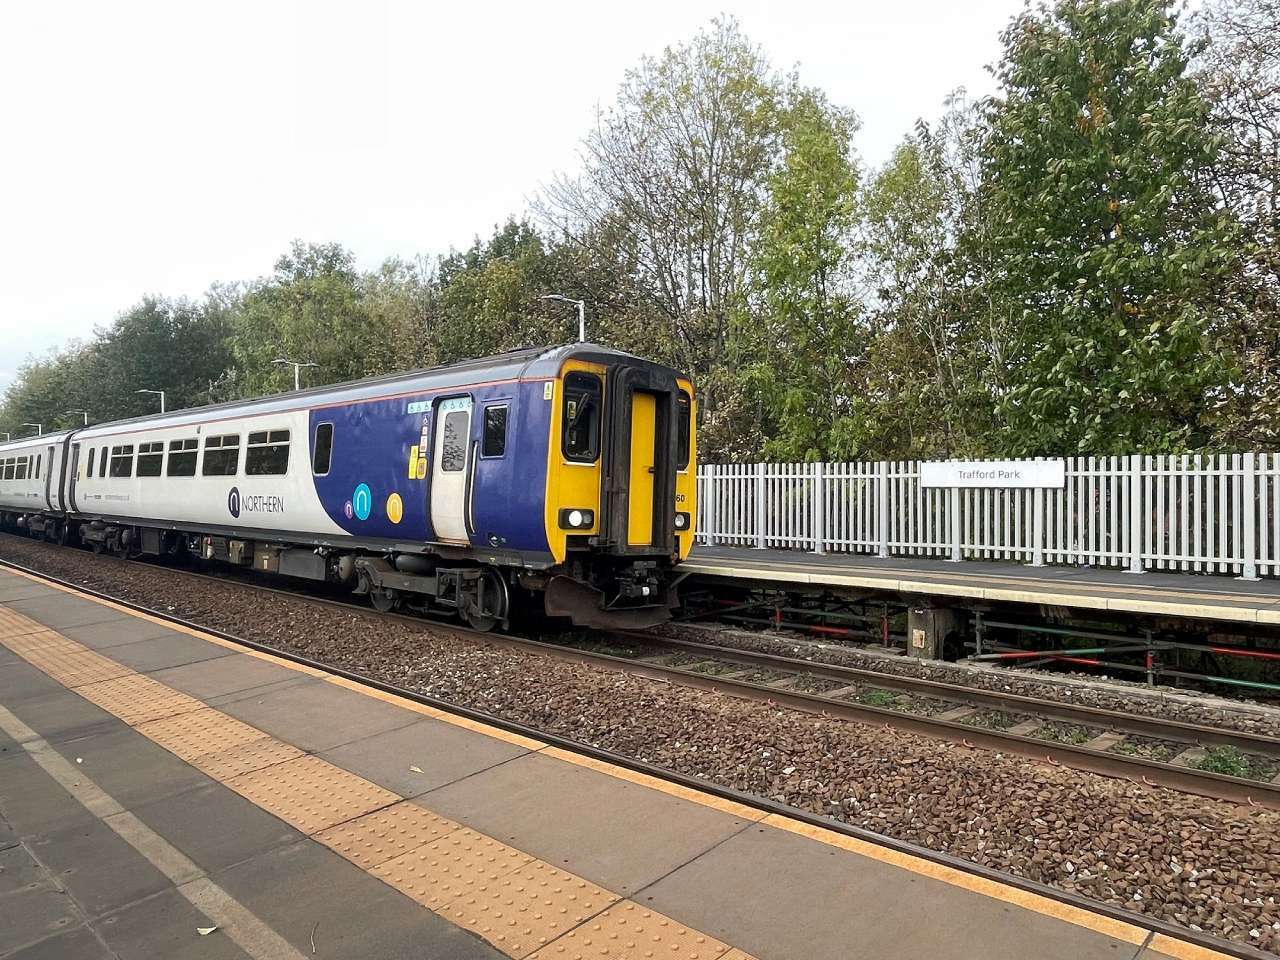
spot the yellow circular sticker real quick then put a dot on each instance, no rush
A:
(395, 508)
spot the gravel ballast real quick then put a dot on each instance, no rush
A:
(1205, 864)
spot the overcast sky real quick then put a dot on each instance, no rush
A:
(161, 147)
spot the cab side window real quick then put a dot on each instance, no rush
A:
(683, 431)
(322, 452)
(495, 431)
(581, 418)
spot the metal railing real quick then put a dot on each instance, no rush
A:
(1209, 513)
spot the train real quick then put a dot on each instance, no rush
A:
(565, 472)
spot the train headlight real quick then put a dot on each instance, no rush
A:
(682, 521)
(575, 519)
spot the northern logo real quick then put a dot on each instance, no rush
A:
(233, 502)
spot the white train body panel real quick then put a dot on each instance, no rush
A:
(30, 474)
(285, 503)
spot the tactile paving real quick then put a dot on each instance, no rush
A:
(310, 793)
(628, 931)
(137, 699)
(445, 869)
(41, 639)
(527, 909)
(14, 624)
(192, 735)
(384, 834)
(246, 758)
(75, 668)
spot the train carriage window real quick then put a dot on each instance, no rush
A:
(322, 458)
(683, 431)
(150, 459)
(102, 463)
(8, 469)
(89, 472)
(581, 417)
(39, 458)
(495, 431)
(122, 461)
(20, 471)
(221, 456)
(182, 457)
(454, 456)
(267, 454)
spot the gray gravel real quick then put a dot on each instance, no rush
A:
(1206, 864)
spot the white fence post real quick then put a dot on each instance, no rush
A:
(1135, 513)
(708, 504)
(882, 510)
(1249, 568)
(953, 508)
(760, 511)
(1037, 527)
(819, 508)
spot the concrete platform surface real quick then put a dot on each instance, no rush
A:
(168, 794)
(1189, 595)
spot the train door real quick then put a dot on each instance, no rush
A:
(73, 470)
(451, 467)
(48, 477)
(644, 415)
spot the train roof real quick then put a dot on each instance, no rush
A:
(524, 363)
(30, 443)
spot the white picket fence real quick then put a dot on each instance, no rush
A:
(1212, 513)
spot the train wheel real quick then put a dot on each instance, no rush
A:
(384, 599)
(494, 603)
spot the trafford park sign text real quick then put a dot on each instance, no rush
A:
(993, 473)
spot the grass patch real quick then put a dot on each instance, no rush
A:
(1230, 762)
(878, 698)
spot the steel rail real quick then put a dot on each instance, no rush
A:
(1100, 908)
(1166, 729)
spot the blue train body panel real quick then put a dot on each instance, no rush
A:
(373, 441)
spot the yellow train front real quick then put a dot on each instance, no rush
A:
(621, 487)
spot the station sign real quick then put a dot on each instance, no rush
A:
(993, 473)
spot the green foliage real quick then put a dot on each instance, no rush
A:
(1228, 761)
(1109, 250)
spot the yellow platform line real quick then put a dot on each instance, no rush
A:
(1035, 903)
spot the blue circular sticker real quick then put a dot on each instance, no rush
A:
(233, 502)
(362, 502)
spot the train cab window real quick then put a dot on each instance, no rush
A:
(102, 463)
(581, 417)
(454, 455)
(322, 455)
(267, 454)
(683, 431)
(221, 456)
(495, 431)
(122, 461)
(20, 471)
(182, 457)
(150, 459)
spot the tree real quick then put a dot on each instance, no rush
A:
(802, 351)
(1110, 250)
(674, 180)
(1240, 72)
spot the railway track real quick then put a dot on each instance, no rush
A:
(727, 670)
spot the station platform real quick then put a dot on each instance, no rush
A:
(1173, 594)
(169, 794)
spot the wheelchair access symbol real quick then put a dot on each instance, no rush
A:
(362, 502)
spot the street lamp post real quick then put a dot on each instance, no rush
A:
(582, 312)
(158, 393)
(297, 370)
(39, 428)
(84, 413)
